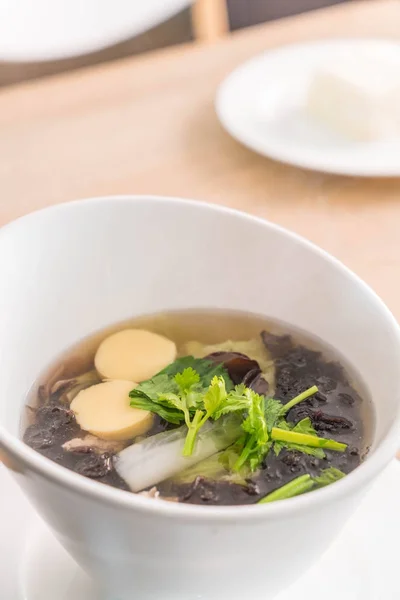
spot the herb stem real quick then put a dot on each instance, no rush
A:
(247, 450)
(303, 396)
(297, 486)
(193, 429)
(304, 439)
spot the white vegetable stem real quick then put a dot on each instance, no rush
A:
(160, 456)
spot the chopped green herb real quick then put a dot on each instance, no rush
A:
(230, 456)
(187, 379)
(273, 412)
(159, 384)
(205, 404)
(165, 412)
(302, 484)
(303, 396)
(213, 401)
(237, 400)
(206, 369)
(194, 390)
(256, 446)
(329, 476)
(303, 426)
(304, 439)
(178, 388)
(215, 397)
(297, 486)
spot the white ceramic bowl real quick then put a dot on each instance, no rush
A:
(58, 29)
(72, 269)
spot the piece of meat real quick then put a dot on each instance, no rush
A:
(94, 444)
(151, 493)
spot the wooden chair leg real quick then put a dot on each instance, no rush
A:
(210, 19)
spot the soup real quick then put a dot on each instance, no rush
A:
(203, 407)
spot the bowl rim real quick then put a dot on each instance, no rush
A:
(96, 491)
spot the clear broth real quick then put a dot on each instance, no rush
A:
(212, 327)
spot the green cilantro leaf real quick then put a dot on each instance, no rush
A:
(215, 397)
(329, 476)
(273, 411)
(303, 484)
(186, 379)
(235, 401)
(167, 413)
(206, 369)
(316, 452)
(255, 422)
(175, 401)
(257, 442)
(303, 426)
(213, 400)
(304, 439)
(297, 486)
(178, 388)
(151, 388)
(303, 396)
(193, 390)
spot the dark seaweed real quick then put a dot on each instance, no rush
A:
(38, 437)
(276, 472)
(204, 491)
(321, 421)
(54, 425)
(54, 417)
(94, 465)
(277, 345)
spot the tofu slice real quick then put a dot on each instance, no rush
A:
(104, 410)
(133, 355)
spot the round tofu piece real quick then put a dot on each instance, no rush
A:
(104, 410)
(133, 355)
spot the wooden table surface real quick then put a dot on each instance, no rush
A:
(147, 125)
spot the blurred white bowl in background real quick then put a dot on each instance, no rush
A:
(38, 30)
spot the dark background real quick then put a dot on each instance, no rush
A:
(243, 13)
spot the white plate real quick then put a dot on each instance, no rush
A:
(262, 105)
(361, 565)
(36, 30)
